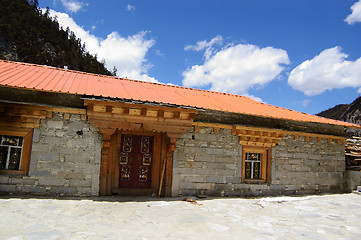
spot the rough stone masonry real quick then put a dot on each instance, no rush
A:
(209, 163)
(65, 160)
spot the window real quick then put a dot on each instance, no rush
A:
(15, 150)
(255, 165)
(10, 152)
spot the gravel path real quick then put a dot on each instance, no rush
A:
(310, 217)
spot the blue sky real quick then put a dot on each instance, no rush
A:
(302, 54)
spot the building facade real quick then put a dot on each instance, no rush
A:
(70, 133)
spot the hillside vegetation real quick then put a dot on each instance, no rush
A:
(29, 35)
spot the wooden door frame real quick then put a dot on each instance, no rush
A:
(166, 124)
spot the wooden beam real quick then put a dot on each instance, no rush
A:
(216, 130)
(196, 128)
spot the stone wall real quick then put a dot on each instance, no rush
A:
(65, 160)
(209, 163)
(353, 179)
(300, 166)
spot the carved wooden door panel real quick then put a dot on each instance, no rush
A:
(135, 161)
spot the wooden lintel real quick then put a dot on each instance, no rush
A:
(276, 133)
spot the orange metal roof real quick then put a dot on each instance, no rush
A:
(45, 78)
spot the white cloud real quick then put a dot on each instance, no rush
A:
(236, 69)
(208, 46)
(355, 16)
(72, 5)
(326, 71)
(127, 54)
(130, 8)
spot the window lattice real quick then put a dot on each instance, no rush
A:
(10, 152)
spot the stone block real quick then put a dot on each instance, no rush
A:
(185, 185)
(205, 186)
(258, 187)
(36, 135)
(301, 155)
(40, 147)
(323, 174)
(7, 188)
(47, 181)
(34, 189)
(214, 151)
(51, 157)
(223, 159)
(4, 179)
(84, 191)
(23, 181)
(233, 180)
(285, 155)
(336, 175)
(193, 178)
(39, 173)
(222, 186)
(95, 185)
(55, 124)
(64, 190)
(80, 183)
(215, 179)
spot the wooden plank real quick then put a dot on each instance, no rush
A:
(168, 114)
(152, 113)
(117, 110)
(135, 111)
(99, 108)
(184, 115)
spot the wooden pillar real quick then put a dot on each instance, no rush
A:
(169, 167)
(105, 180)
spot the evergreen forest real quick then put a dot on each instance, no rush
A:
(28, 34)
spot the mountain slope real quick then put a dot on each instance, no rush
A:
(28, 35)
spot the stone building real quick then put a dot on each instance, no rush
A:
(73, 133)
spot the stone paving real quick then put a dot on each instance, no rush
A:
(309, 217)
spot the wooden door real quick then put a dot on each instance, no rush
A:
(135, 161)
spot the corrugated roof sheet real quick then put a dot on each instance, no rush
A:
(45, 78)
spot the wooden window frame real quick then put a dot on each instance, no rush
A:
(265, 164)
(27, 134)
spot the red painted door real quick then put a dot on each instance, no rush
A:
(135, 161)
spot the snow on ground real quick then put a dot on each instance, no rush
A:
(310, 217)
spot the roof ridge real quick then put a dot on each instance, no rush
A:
(127, 79)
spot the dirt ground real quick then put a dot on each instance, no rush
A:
(309, 217)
